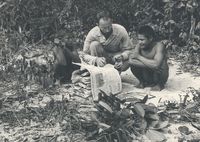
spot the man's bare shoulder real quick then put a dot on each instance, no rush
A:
(159, 46)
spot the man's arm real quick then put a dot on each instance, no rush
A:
(85, 55)
(158, 58)
(126, 44)
(89, 38)
(150, 63)
(136, 62)
(133, 58)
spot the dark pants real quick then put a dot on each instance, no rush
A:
(63, 65)
(151, 77)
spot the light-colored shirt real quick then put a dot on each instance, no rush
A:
(118, 41)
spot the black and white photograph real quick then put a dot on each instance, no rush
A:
(99, 71)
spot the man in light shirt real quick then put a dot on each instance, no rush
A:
(107, 43)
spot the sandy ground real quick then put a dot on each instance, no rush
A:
(176, 85)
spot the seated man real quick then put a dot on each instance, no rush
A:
(149, 60)
(107, 43)
(63, 68)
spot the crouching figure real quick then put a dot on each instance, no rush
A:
(148, 62)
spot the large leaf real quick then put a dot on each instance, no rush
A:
(105, 106)
(150, 108)
(161, 125)
(155, 136)
(139, 110)
(152, 116)
(143, 125)
(104, 126)
(152, 124)
(184, 130)
(144, 100)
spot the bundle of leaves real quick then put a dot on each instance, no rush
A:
(187, 110)
(117, 121)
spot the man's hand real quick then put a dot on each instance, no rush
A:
(100, 61)
(118, 65)
(118, 58)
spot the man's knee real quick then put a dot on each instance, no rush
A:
(95, 44)
(138, 73)
(136, 70)
(96, 49)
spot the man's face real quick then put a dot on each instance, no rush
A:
(105, 25)
(144, 41)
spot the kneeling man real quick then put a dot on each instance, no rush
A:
(107, 43)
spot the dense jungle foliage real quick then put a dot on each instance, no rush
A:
(34, 108)
(25, 22)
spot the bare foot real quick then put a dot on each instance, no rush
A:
(57, 83)
(157, 88)
(140, 85)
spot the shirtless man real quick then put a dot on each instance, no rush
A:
(148, 62)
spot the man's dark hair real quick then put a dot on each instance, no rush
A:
(147, 31)
(103, 14)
